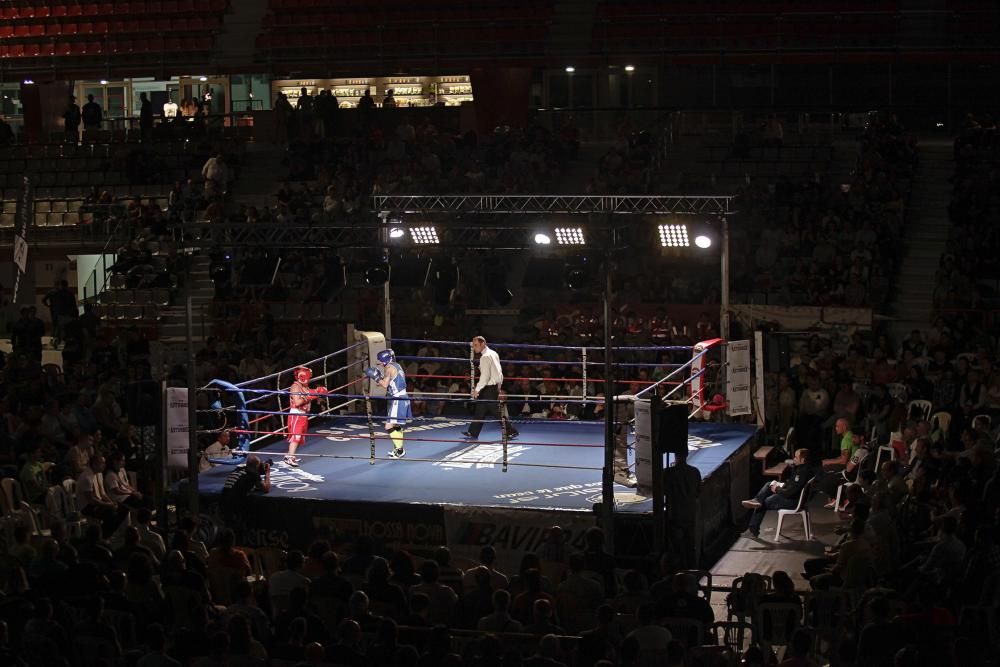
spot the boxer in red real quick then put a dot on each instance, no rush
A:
(298, 411)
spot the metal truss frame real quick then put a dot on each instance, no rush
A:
(512, 204)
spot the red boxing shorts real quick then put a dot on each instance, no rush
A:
(298, 422)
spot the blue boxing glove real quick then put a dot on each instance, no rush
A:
(374, 374)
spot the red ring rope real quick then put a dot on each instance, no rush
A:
(366, 436)
(535, 379)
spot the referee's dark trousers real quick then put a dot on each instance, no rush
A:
(487, 403)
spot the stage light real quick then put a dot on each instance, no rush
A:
(578, 272)
(424, 235)
(203, 78)
(569, 236)
(377, 273)
(542, 238)
(674, 236)
(629, 68)
(703, 241)
(28, 82)
(104, 82)
(570, 69)
(396, 233)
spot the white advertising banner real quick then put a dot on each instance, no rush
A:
(176, 421)
(20, 253)
(643, 444)
(513, 533)
(738, 391)
(758, 338)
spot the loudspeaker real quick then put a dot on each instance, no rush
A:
(672, 435)
(776, 354)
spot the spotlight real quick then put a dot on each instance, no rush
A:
(570, 69)
(578, 274)
(203, 78)
(569, 236)
(703, 241)
(104, 82)
(424, 235)
(377, 273)
(28, 82)
(542, 239)
(629, 68)
(396, 233)
(674, 236)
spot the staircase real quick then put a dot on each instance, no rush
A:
(236, 44)
(928, 227)
(173, 322)
(572, 23)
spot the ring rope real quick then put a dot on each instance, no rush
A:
(536, 362)
(440, 376)
(277, 374)
(412, 459)
(536, 346)
(459, 441)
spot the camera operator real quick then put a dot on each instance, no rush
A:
(252, 479)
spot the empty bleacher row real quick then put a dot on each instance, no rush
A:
(447, 26)
(35, 29)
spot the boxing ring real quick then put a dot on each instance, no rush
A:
(501, 488)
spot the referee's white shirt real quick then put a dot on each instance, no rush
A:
(489, 370)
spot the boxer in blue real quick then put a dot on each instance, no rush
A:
(392, 377)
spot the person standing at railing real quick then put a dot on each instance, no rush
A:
(62, 306)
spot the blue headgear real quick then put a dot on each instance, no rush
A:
(386, 356)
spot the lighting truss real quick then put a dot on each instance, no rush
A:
(644, 204)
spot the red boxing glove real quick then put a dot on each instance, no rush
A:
(321, 390)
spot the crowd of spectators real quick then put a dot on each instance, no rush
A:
(813, 242)
(968, 271)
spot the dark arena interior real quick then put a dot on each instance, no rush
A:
(562, 333)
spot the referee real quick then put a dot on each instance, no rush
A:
(487, 391)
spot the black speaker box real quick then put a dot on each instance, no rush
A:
(776, 353)
(672, 436)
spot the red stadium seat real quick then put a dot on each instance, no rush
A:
(59, 11)
(78, 48)
(53, 28)
(85, 27)
(15, 51)
(47, 49)
(90, 9)
(70, 28)
(37, 30)
(106, 9)
(101, 27)
(74, 10)
(62, 48)
(26, 12)
(42, 12)
(32, 50)
(6, 30)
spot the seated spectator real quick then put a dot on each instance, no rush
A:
(227, 556)
(93, 500)
(442, 598)
(651, 638)
(500, 619)
(282, 583)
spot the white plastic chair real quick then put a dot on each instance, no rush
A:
(923, 407)
(801, 509)
(941, 420)
(983, 418)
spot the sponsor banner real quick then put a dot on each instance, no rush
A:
(176, 419)
(288, 522)
(20, 253)
(758, 342)
(513, 533)
(643, 444)
(738, 378)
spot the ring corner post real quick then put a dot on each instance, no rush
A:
(607, 478)
(192, 414)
